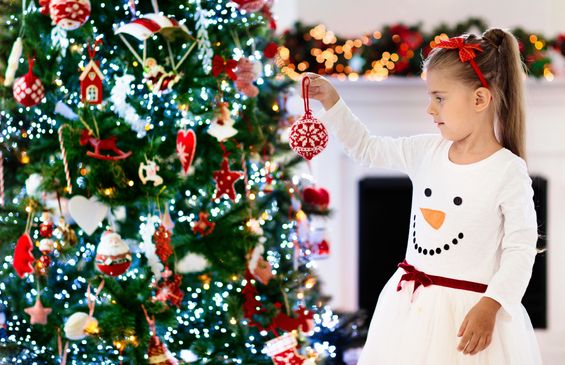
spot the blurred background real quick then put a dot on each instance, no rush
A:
(372, 52)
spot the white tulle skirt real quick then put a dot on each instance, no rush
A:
(421, 329)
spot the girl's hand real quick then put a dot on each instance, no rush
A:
(321, 89)
(476, 329)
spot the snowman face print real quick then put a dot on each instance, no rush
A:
(433, 223)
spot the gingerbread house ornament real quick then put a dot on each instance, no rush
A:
(91, 83)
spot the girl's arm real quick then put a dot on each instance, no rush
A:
(399, 153)
(509, 283)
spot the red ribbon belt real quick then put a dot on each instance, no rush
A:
(421, 278)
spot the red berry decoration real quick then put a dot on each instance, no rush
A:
(271, 50)
(308, 136)
(28, 90)
(69, 14)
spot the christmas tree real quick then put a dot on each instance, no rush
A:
(149, 209)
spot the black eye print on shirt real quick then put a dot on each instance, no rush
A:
(457, 200)
(428, 192)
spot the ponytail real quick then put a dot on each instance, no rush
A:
(509, 79)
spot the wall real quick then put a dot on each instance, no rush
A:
(351, 18)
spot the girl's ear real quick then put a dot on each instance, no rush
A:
(482, 98)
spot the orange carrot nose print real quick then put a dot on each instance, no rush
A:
(433, 217)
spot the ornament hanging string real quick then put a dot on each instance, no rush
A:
(92, 302)
(150, 321)
(62, 352)
(131, 4)
(64, 156)
(29, 209)
(92, 48)
(305, 88)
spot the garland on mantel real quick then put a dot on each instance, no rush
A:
(398, 49)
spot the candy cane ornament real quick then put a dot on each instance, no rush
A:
(65, 163)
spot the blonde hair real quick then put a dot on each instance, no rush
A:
(502, 67)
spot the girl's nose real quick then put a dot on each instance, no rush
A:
(430, 110)
(435, 218)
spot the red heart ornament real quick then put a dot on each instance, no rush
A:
(186, 146)
(318, 197)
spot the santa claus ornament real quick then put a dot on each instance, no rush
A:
(157, 354)
(113, 256)
(222, 125)
(28, 90)
(308, 136)
(67, 14)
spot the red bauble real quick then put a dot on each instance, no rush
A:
(159, 354)
(308, 136)
(112, 255)
(46, 229)
(317, 197)
(23, 256)
(69, 14)
(28, 90)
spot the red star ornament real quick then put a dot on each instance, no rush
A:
(225, 180)
(38, 312)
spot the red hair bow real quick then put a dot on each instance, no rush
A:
(466, 53)
(219, 65)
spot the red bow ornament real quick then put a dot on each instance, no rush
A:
(220, 65)
(412, 274)
(466, 53)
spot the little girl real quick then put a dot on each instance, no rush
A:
(456, 298)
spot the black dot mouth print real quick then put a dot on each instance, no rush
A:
(435, 219)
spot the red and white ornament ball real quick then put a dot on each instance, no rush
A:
(28, 90)
(113, 256)
(69, 14)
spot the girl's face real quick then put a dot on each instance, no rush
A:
(451, 105)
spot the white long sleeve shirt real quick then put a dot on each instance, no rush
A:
(481, 225)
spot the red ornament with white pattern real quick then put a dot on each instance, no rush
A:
(69, 14)
(250, 5)
(308, 136)
(282, 350)
(28, 90)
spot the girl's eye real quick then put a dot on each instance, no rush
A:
(439, 99)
